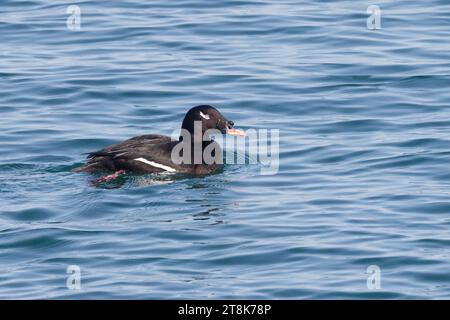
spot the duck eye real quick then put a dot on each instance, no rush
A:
(204, 116)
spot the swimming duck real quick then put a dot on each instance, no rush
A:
(154, 153)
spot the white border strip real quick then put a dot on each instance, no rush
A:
(156, 165)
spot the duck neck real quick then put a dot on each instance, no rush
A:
(193, 132)
(195, 149)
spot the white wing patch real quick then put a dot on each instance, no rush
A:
(156, 165)
(204, 116)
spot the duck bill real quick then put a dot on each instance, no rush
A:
(235, 132)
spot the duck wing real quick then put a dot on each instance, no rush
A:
(145, 142)
(142, 154)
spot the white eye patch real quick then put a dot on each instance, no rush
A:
(204, 116)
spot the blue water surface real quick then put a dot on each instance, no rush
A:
(364, 120)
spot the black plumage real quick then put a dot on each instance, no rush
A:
(152, 153)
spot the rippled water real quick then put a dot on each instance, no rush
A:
(364, 124)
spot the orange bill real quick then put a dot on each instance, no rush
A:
(236, 132)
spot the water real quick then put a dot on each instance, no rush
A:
(364, 149)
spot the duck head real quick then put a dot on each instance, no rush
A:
(209, 118)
